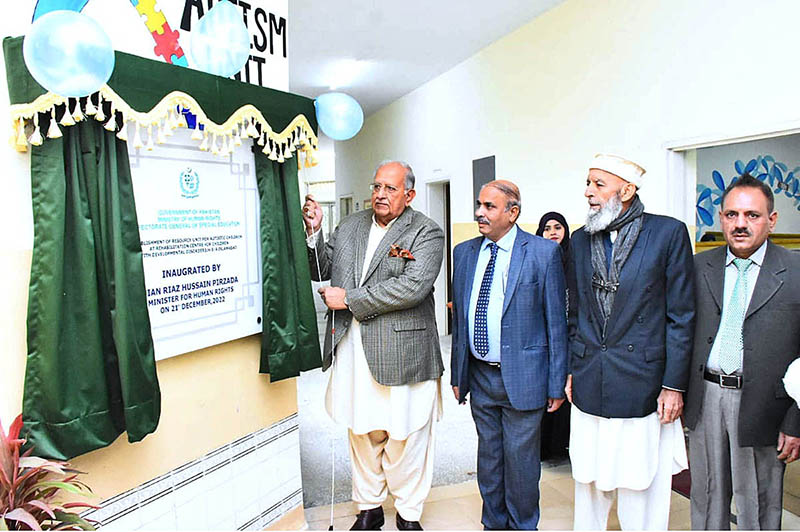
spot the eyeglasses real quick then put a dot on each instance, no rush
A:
(390, 190)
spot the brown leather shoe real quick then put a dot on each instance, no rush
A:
(371, 519)
(402, 524)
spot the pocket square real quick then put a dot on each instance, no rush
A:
(397, 251)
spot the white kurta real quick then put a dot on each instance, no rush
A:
(355, 399)
(623, 453)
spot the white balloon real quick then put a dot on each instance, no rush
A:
(220, 42)
(68, 53)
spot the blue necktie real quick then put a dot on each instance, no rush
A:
(481, 332)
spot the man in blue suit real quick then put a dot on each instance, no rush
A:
(509, 351)
(630, 343)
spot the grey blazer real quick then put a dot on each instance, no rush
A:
(771, 337)
(395, 303)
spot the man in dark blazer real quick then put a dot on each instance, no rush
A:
(385, 378)
(743, 426)
(630, 343)
(509, 351)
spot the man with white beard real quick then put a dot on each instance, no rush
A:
(630, 346)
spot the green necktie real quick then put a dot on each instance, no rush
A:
(730, 349)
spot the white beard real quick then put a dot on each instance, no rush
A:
(600, 219)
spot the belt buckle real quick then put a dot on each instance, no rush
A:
(724, 381)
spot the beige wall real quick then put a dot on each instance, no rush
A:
(209, 397)
(625, 76)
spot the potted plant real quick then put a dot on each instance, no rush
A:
(30, 488)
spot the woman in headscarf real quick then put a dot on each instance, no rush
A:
(555, 427)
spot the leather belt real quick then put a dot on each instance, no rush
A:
(488, 363)
(733, 382)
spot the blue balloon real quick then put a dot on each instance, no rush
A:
(339, 115)
(220, 42)
(68, 53)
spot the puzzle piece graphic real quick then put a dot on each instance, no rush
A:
(167, 43)
(155, 18)
(180, 61)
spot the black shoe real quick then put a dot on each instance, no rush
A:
(402, 524)
(371, 519)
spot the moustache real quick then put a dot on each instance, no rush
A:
(741, 231)
(481, 220)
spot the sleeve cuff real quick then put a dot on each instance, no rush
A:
(672, 389)
(311, 240)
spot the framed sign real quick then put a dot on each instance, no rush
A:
(198, 222)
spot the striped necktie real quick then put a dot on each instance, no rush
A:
(481, 337)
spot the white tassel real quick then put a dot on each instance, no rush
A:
(252, 132)
(123, 131)
(204, 145)
(137, 137)
(53, 132)
(36, 138)
(111, 125)
(214, 148)
(90, 108)
(67, 120)
(150, 138)
(77, 114)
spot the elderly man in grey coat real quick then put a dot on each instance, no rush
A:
(385, 376)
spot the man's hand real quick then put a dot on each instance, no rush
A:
(670, 405)
(455, 392)
(788, 447)
(554, 404)
(312, 215)
(568, 388)
(333, 297)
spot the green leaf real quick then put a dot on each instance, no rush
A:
(3, 525)
(57, 485)
(22, 516)
(75, 519)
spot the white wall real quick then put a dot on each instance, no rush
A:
(625, 76)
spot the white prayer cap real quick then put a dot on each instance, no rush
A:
(620, 167)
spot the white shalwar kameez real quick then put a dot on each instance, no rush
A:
(636, 457)
(391, 428)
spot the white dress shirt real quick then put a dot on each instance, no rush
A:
(494, 313)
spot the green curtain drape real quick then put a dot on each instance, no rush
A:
(90, 371)
(290, 341)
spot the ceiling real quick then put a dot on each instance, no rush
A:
(378, 50)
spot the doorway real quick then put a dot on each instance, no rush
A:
(438, 207)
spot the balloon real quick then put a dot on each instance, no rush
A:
(220, 43)
(68, 53)
(339, 115)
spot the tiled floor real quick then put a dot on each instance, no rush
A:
(458, 507)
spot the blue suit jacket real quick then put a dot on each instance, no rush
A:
(533, 327)
(648, 343)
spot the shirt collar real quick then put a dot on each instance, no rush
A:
(505, 243)
(757, 257)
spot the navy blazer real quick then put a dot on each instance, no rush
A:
(533, 343)
(648, 342)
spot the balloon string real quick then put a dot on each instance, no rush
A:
(333, 384)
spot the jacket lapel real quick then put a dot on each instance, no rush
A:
(515, 267)
(628, 276)
(382, 251)
(714, 274)
(469, 275)
(770, 280)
